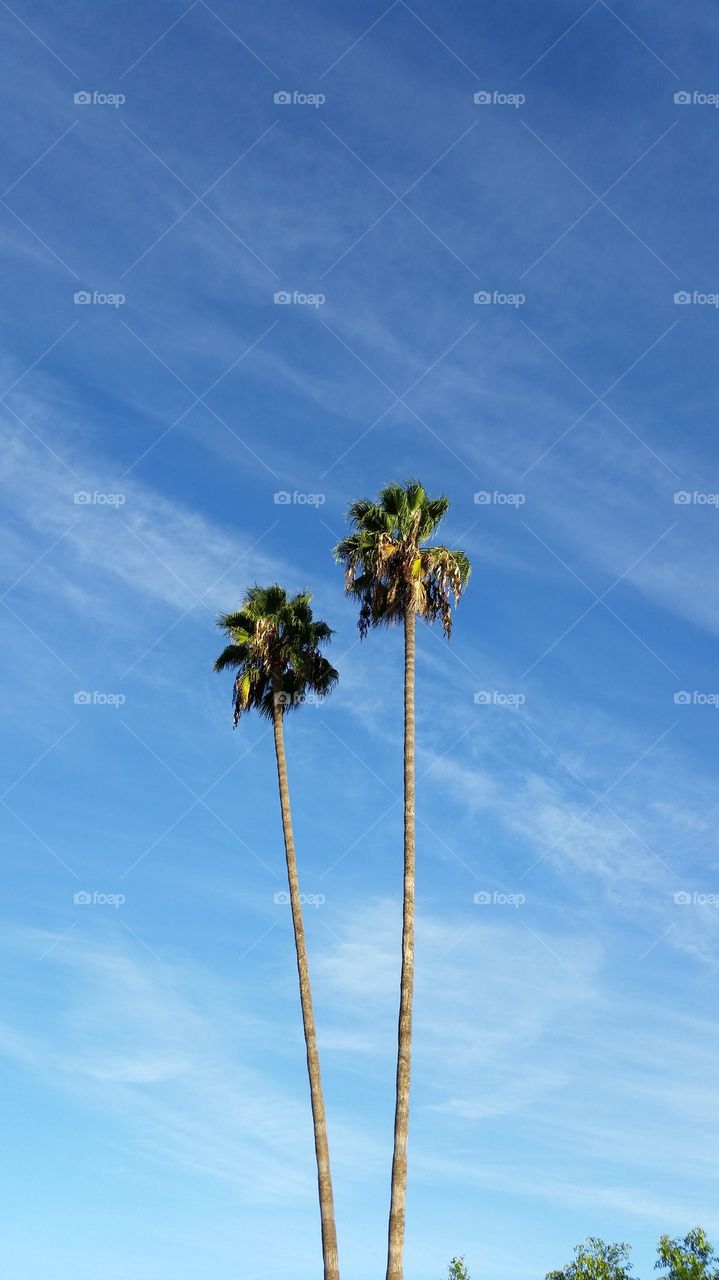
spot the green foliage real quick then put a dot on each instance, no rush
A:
(274, 649)
(389, 567)
(692, 1258)
(595, 1260)
(457, 1270)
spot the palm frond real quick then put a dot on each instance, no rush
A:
(275, 651)
(234, 655)
(388, 566)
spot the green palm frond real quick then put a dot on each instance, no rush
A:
(233, 656)
(388, 566)
(275, 650)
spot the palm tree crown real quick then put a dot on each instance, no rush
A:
(387, 564)
(275, 649)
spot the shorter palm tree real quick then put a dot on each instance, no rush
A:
(275, 649)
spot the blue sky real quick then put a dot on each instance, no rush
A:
(566, 1040)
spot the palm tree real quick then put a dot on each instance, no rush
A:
(395, 576)
(275, 650)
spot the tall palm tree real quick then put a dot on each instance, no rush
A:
(275, 648)
(396, 576)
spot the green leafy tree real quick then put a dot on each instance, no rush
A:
(275, 651)
(457, 1270)
(692, 1258)
(595, 1260)
(396, 576)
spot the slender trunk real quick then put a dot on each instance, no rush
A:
(324, 1180)
(395, 1244)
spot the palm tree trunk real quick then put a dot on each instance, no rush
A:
(395, 1245)
(324, 1180)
